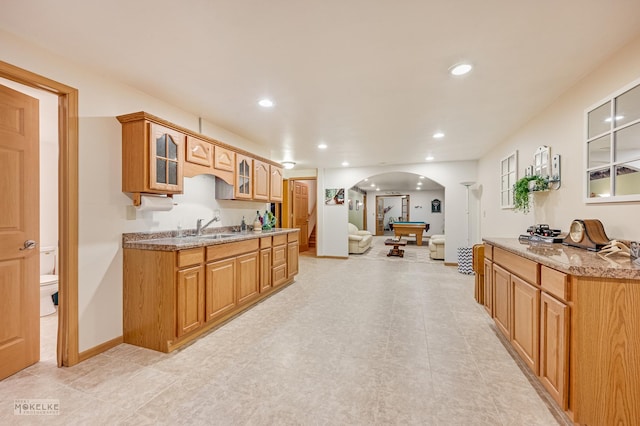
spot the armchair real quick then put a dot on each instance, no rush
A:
(359, 241)
(436, 247)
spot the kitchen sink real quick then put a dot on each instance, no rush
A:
(217, 236)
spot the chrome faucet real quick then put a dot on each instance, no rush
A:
(200, 227)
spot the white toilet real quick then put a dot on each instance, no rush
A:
(48, 280)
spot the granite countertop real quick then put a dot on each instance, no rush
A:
(169, 241)
(572, 260)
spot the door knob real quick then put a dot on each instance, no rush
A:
(29, 245)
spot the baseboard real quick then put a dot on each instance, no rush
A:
(102, 347)
(332, 257)
(450, 263)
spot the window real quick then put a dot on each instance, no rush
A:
(612, 147)
(508, 177)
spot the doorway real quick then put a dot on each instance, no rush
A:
(390, 209)
(67, 353)
(300, 211)
(47, 238)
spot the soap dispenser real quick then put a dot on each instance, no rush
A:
(243, 225)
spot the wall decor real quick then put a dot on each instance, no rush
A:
(612, 147)
(436, 206)
(508, 177)
(334, 196)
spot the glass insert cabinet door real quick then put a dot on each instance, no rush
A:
(165, 162)
(244, 176)
(613, 148)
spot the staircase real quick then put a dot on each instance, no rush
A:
(312, 238)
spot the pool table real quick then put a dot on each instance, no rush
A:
(407, 228)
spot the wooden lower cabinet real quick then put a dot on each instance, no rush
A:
(247, 281)
(189, 300)
(501, 279)
(171, 297)
(488, 287)
(554, 348)
(265, 269)
(279, 253)
(220, 288)
(292, 259)
(525, 321)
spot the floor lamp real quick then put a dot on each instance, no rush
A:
(465, 254)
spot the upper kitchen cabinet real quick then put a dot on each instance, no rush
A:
(157, 155)
(244, 178)
(275, 184)
(261, 176)
(224, 159)
(153, 156)
(199, 152)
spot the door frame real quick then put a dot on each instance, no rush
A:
(380, 197)
(68, 138)
(287, 201)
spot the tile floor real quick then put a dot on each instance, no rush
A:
(368, 340)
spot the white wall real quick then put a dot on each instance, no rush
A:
(356, 213)
(420, 209)
(103, 208)
(332, 229)
(561, 126)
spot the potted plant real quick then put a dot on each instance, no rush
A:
(523, 187)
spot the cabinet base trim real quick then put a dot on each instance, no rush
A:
(562, 417)
(218, 322)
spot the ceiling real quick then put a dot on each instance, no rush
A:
(369, 79)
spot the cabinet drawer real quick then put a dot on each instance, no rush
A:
(190, 257)
(279, 239)
(220, 251)
(279, 255)
(265, 242)
(292, 236)
(524, 268)
(554, 282)
(279, 274)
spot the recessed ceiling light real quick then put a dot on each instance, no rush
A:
(366, 179)
(460, 69)
(438, 135)
(288, 164)
(421, 177)
(419, 183)
(267, 103)
(345, 163)
(418, 188)
(377, 189)
(322, 146)
(429, 158)
(373, 185)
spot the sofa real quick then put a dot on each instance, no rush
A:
(436, 247)
(359, 241)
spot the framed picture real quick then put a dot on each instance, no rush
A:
(436, 206)
(357, 205)
(334, 196)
